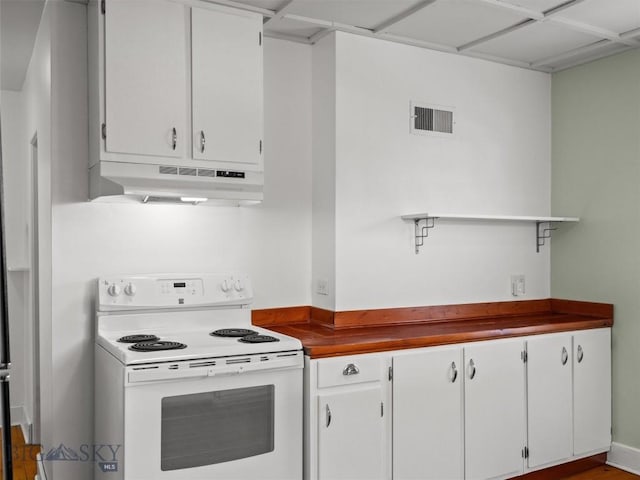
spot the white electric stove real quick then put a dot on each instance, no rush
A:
(188, 387)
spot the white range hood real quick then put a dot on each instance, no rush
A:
(172, 182)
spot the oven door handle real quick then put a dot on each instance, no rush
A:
(150, 375)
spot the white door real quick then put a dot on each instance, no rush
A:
(494, 409)
(227, 85)
(351, 435)
(145, 77)
(592, 391)
(427, 415)
(549, 399)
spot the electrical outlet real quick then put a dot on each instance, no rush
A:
(322, 287)
(517, 285)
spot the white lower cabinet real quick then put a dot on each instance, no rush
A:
(474, 411)
(494, 409)
(591, 391)
(454, 420)
(351, 435)
(427, 414)
(346, 421)
(568, 396)
(549, 399)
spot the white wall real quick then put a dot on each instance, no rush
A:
(272, 242)
(498, 162)
(14, 158)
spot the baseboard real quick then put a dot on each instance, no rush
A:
(624, 457)
(42, 475)
(20, 418)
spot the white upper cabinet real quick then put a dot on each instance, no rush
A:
(226, 86)
(592, 391)
(494, 409)
(549, 399)
(145, 49)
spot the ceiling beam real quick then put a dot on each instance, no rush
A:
(589, 59)
(278, 14)
(525, 12)
(497, 34)
(242, 6)
(288, 38)
(401, 16)
(595, 31)
(571, 53)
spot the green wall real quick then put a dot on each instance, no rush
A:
(596, 176)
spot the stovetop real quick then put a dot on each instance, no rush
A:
(161, 328)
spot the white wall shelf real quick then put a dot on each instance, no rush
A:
(425, 221)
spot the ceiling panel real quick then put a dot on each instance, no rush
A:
(536, 5)
(618, 16)
(358, 13)
(605, 50)
(448, 22)
(289, 27)
(535, 42)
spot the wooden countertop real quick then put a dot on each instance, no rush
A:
(323, 339)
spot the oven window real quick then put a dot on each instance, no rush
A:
(215, 427)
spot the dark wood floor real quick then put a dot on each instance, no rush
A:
(24, 457)
(24, 465)
(604, 472)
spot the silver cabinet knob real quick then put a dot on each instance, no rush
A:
(202, 141)
(580, 354)
(472, 369)
(564, 357)
(454, 372)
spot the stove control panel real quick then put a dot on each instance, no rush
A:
(173, 291)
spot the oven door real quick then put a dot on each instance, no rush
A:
(240, 418)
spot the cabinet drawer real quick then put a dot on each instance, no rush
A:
(347, 371)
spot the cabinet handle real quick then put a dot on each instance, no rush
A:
(174, 138)
(472, 371)
(454, 372)
(351, 369)
(328, 416)
(565, 356)
(202, 141)
(580, 353)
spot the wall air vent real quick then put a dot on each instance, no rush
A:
(431, 119)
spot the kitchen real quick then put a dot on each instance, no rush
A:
(504, 159)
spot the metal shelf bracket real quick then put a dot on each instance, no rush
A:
(543, 231)
(422, 232)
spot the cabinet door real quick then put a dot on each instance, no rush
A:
(145, 77)
(549, 399)
(592, 391)
(227, 85)
(427, 415)
(350, 435)
(494, 409)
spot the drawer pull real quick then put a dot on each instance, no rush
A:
(328, 416)
(351, 369)
(454, 372)
(472, 369)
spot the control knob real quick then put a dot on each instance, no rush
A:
(130, 289)
(113, 290)
(225, 286)
(238, 286)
